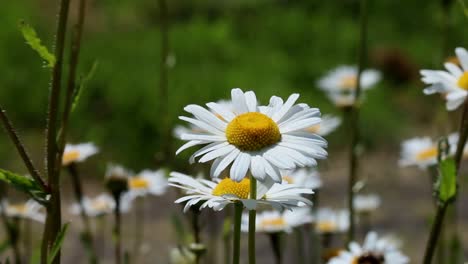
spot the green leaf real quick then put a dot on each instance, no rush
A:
(24, 184)
(83, 81)
(447, 184)
(34, 41)
(57, 244)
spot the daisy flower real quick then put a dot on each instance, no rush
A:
(340, 84)
(366, 203)
(331, 221)
(181, 255)
(219, 193)
(259, 139)
(28, 210)
(101, 205)
(78, 153)
(329, 124)
(452, 83)
(148, 182)
(374, 250)
(117, 179)
(274, 221)
(306, 178)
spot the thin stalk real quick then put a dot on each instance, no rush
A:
(164, 81)
(196, 232)
(275, 242)
(139, 227)
(117, 231)
(237, 233)
(252, 221)
(354, 119)
(434, 235)
(54, 219)
(12, 230)
(300, 245)
(21, 149)
(87, 236)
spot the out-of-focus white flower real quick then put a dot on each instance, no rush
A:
(329, 124)
(101, 205)
(28, 210)
(306, 178)
(78, 153)
(374, 250)
(365, 203)
(452, 83)
(340, 84)
(274, 221)
(329, 221)
(148, 182)
(219, 193)
(256, 139)
(181, 255)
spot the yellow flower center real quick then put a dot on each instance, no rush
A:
(348, 82)
(326, 226)
(463, 81)
(273, 222)
(138, 183)
(288, 179)
(314, 129)
(70, 156)
(229, 187)
(252, 131)
(20, 208)
(427, 154)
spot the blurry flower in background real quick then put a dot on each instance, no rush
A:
(148, 182)
(396, 64)
(329, 124)
(274, 221)
(78, 153)
(366, 203)
(28, 210)
(329, 221)
(340, 84)
(117, 179)
(219, 193)
(304, 177)
(101, 205)
(181, 255)
(453, 82)
(263, 139)
(374, 250)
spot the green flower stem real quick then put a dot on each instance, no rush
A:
(87, 236)
(237, 232)
(354, 120)
(275, 242)
(252, 221)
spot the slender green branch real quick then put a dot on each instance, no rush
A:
(354, 119)
(237, 232)
(252, 221)
(21, 149)
(435, 232)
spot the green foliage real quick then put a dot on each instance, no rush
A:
(463, 7)
(24, 184)
(447, 184)
(58, 243)
(82, 83)
(34, 41)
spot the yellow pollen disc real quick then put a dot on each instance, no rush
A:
(70, 156)
(463, 81)
(427, 154)
(348, 82)
(314, 129)
(326, 226)
(288, 179)
(252, 131)
(229, 187)
(275, 222)
(138, 183)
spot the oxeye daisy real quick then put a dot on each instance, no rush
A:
(101, 205)
(78, 153)
(219, 193)
(329, 221)
(259, 139)
(148, 182)
(452, 83)
(375, 250)
(329, 124)
(28, 210)
(274, 221)
(340, 84)
(306, 178)
(365, 203)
